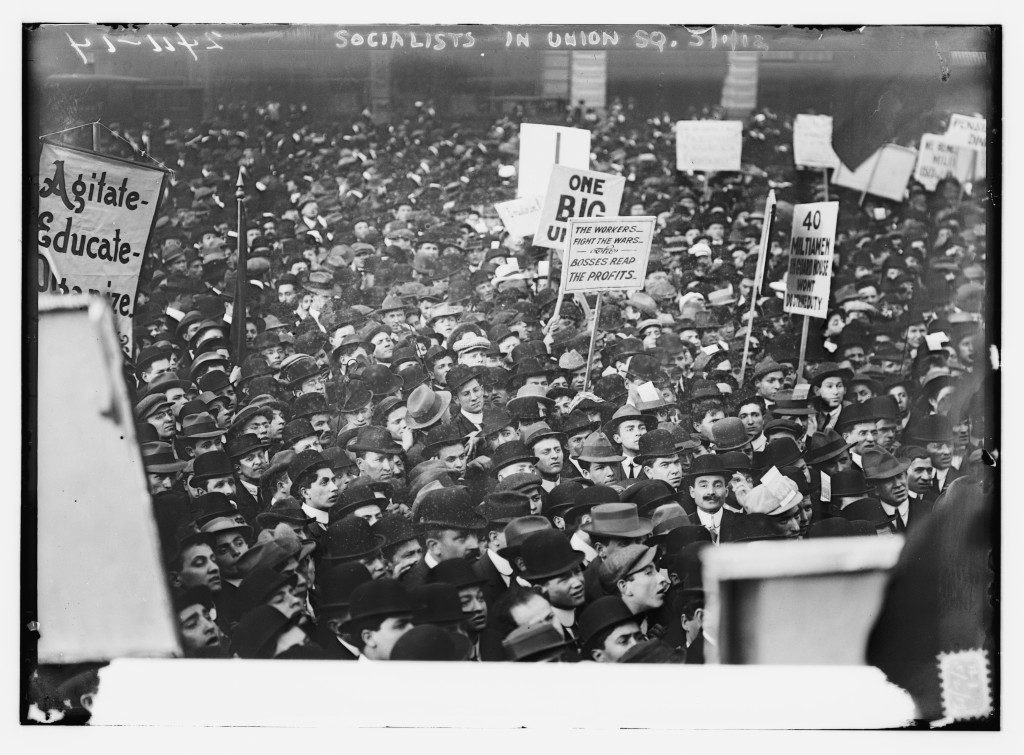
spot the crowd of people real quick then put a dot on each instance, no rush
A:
(418, 458)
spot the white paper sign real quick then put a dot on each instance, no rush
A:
(939, 157)
(520, 216)
(812, 142)
(809, 276)
(574, 193)
(967, 131)
(541, 147)
(604, 254)
(709, 145)
(887, 171)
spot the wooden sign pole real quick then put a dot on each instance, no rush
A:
(593, 340)
(803, 348)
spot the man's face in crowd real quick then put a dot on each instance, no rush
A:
(941, 453)
(204, 446)
(455, 544)
(538, 380)
(708, 492)
(286, 294)
(228, 547)
(894, 490)
(396, 424)
(861, 393)
(394, 319)
(535, 610)
(832, 391)
(378, 467)
(471, 396)
(549, 456)
(473, 358)
(915, 335)
(258, 426)
(445, 325)
(309, 443)
(519, 467)
(404, 558)
(474, 607)
(789, 523)
(666, 468)
(322, 424)
(500, 438)
(861, 437)
(885, 430)
(752, 418)
(855, 355)
(198, 629)
(454, 459)
(310, 210)
(198, 568)
(381, 642)
(225, 485)
(629, 435)
(770, 384)
(575, 444)
(920, 474)
(508, 343)
(383, 346)
(709, 419)
(566, 590)
(322, 492)
(902, 398)
(253, 464)
(601, 473)
(441, 368)
(535, 494)
(841, 463)
(360, 418)
(163, 422)
(194, 270)
(647, 587)
(273, 354)
(619, 641)
(159, 482)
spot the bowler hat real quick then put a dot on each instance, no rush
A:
(461, 374)
(449, 508)
(379, 597)
(728, 434)
(440, 436)
(645, 367)
(426, 407)
(934, 428)
(787, 406)
(576, 423)
(623, 562)
(457, 572)
(518, 530)
(824, 446)
(617, 520)
(351, 498)
(336, 584)
(494, 420)
(539, 431)
(300, 370)
(854, 414)
(256, 634)
(245, 416)
(259, 585)
(396, 528)
(880, 465)
(304, 462)
(245, 444)
(438, 604)
(158, 457)
(308, 404)
(212, 465)
(648, 495)
(349, 538)
(502, 506)
(427, 642)
(534, 642)
(377, 440)
(656, 444)
(604, 613)
(357, 396)
(562, 497)
(866, 510)
(752, 526)
(777, 425)
(515, 451)
(677, 538)
(708, 464)
(849, 482)
(830, 369)
(736, 461)
(547, 554)
(380, 380)
(884, 407)
(287, 510)
(781, 452)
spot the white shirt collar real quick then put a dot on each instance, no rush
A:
(253, 489)
(578, 544)
(321, 516)
(430, 561)
(502, 565)
(350, 648)
(710, 520)
(549, 485)
(476, 419)
(565, 617)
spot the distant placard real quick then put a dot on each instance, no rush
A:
(603, 254)
(940, 158)
(812, 142)
(574, 193)
(809, 276)
(967, 131)
(520, 216)
(884, 174)
(541, 147)
(709, 145)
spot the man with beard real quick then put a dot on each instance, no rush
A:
(888, 475)
(708, 485)
(460, 574)
(199, 633)
(552, 565)
(547, 445)
(920, 473)
(632, 574)
(660, 459)
(314, 485)
(250, 458)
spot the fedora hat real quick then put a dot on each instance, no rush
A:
(158, 457)
(781, 452)
(510, 453)
(349, 538)
(336, 584)
(617, 520)
(296, 430)
(518, 530)
(577, 422)
(628, 412)
(526, 402)
(657, 444)
(495, 420)
(287, 510)
(827, 370)
(426, 407)
(260, 584)
(849, 482)
(212, 465)
(357, 397)
(534, 642)
(449, 508)
(647, 495)
(539, 431)
(379, 597)
(604, 613)
(245, 444)
(880, 465)
(547, 554)
(728, 434)
(377, 440)
(824, 446)
(666, 517)
(380, 380)
(787, 406)
(598, 449)
(502, 506)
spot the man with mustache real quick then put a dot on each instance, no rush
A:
(708, 485)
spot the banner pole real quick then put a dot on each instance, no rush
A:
(762, 251)
(593, 340)
(871, 178)
(803, 347)
(824, 176)
(558, 161)
(238, 312)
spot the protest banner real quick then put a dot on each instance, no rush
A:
(96, 215)
(884, 174)
(939, 158)
(603, 254)
(574, 193)
(812, 142)
(708, 145)
(520, 216)
(541, 147)
(809, 276)
(967, 131)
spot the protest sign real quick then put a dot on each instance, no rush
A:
(809, 276)
(574, 193)
(96, 214)
(967, 131)
(939, 157)
(884, 174)
(708, 145)
(812, 142)
(520, 216)
(604, 254)
(541, 147)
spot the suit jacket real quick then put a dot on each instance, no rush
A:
(333, 649)
(248, 506)
(695, 652)
(592, 589)
(494, 584)
(951, 475)
(728, 522)
(918, 513)
(490, 646)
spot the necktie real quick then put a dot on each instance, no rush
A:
(900, 526)
(632, 471)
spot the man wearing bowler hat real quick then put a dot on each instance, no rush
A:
(380, 612)
(625, 428)
(352, 539)
(708, 486)
(659, 458)
(460, 574)
(888, 475)
(548, 446)
(449, 529)
(608, 630)
(495, 572)
(935, 433)
(335, 592)
(857, 424)
(550, 563)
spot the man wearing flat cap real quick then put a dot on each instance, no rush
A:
(632, 574)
